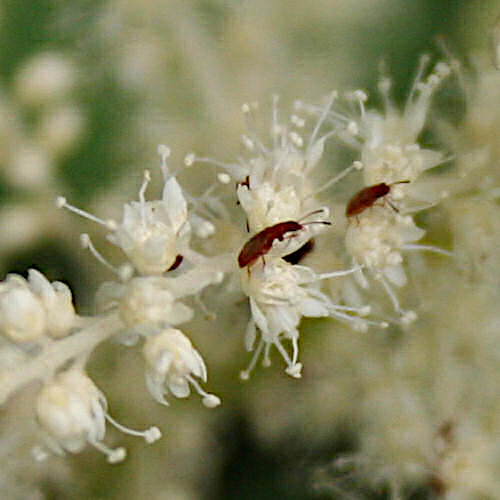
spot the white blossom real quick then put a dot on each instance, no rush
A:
(387, 141)
(390, 151)
(280, 295)
(172, 365)
(145, 304)
(30, 309)
(72, 412)
(275, 182)
(148, 304)
(153, 233)
(57, 301)
(376, 239)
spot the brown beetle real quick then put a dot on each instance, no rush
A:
(259, 244)
(368, 196)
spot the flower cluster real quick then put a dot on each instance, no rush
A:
(380, 224)
(160, 273)
(286, 264)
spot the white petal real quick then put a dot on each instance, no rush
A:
(41, 286)
(163, 362)
(313, 308)
(396, 275)
(179, 313)
(202, 371)
(156, 388)
(315, 153)
(258, 316)
(250, 335)
(176, 205)
(179, 387)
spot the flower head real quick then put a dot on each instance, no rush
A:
(172, 365)
(30, 309)
(388, 141)
(274, 183)
(72, 412)
(280, 295)
(376, 240)
(153, 233)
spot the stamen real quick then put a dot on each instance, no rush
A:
(266, 361)
(360, 325)
(113, 456)
(236, 171)
(250, 123)
(297, 121)
(275, 122)
(209, 400)
(86, 243)
(331, 182)
(384, 87)
(283, 352)
(293, 369)
(142, 192)
(295, 349)
(150, 435)
(247, 142)
(392, 295)
(223, 178)
(164, 152)
(321, 120)
(362, 311)
(424, 61)
(361, 97)
(62, 203)
(245, 374)
(428, 248)
(335, 274)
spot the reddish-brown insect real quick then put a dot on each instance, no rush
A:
(176, 264)
(259, 244)
(368, 196)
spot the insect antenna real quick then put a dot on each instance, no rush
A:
(322, 210)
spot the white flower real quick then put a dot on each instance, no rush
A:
(275, 182)
(280, 294)
(57, 301)
(376, 239)
(72, 412)
(153, 233)
(144, 303)
(172, 364)
(390, 152)
(388, 141)
(34, 308)
(148, 304)
(377, 236)
(22, 316)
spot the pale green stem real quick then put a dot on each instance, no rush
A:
(57, 354)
